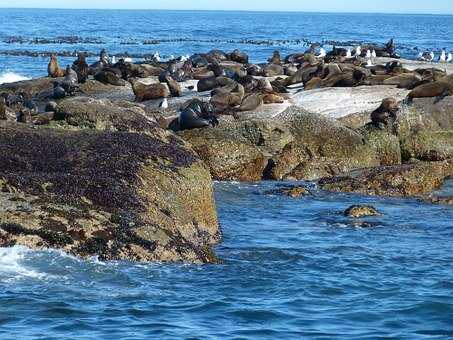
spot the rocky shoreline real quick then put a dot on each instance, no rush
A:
(117, 160)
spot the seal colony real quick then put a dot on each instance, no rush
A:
(129, 149)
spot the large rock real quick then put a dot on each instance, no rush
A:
(338, 102)
(230, 156)
(322, 147)
(398, 180)
(32, 87)
(385, 144)
(103, 114)
(428, 145)
(96, 89)
(117, 195)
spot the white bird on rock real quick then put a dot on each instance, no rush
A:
(368, 54)
(164, 104)
(358, 51)
(348, 54)
(373, 54)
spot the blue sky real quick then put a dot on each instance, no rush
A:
(392, 6)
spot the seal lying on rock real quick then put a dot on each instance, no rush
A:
(197, 114)
(68, 87)
(145, 92)
(438, 89)
(53, 69)
(110, 76)
(101, 63)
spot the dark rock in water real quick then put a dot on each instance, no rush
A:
(398, 180)
(445, 200)
(293, 192)
(118, 196)
(359, 211)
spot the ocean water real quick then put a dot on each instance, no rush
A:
(139, 33)
(292, 268)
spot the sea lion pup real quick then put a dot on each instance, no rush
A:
(81, 67)
(53, 69)
(438, 89)
(385, 115)
(145, 92)
(196, 114)
(276, 58)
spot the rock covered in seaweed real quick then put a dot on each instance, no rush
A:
(116, 195)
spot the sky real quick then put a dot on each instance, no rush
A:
(387, 6)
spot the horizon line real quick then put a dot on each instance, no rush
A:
(232, 10)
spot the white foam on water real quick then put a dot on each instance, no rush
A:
(11, 77)
(12, 267)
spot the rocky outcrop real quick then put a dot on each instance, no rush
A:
(116, 195)
(104, 115)
(398, 180)
(321, 147)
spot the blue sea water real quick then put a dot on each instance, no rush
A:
(187, 32)
(292, 268)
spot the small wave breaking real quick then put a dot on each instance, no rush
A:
(11, 77)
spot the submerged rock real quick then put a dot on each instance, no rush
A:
(293, 192)
(119, 195)
(358, 211)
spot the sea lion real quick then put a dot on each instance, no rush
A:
(196, 114)
(53, 69)
(145, 92)
(81, 67)
(227, 97)
(385, 114)
(254, 70)
(206, 84)
(403, 80)
(109, 76)
(249, 82)
(290, 70)
(437, 89)
(51, 107)
(273, 70)
(265, 85)
(239, 57)
(174, 86)
(251, 102)
(272, 98)
(313, 83)
(276, 59)
(103, 62)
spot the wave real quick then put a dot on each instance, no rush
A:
(11, 77)
(12, 265)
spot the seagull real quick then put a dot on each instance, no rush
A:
(322, 53)
(443, 57)
(183, 58)
(156, 56)
(369, 63)
(358, 51)
(113, 60)
(449, 58)
(164, 104)
(128, 60)
(373, 54)
(431, 56)
(368, 54)
(348, 54)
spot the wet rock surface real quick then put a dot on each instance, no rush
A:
(116, 195)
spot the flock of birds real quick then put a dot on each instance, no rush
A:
(430, 56)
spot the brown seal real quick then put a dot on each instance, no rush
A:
(148, 92)
(276, 59)
(81, 67)
(251, 102)
(53, 69)
(439, 89)
(386, 113)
